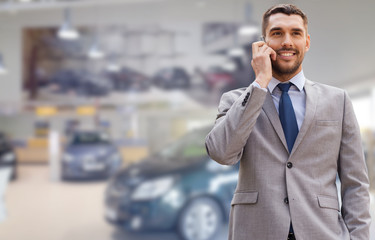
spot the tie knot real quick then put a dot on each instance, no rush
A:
(284, 87)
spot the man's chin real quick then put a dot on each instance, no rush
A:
(285, 70)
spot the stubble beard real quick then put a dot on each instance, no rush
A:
(281, 71)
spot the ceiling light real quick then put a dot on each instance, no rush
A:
(95, 52)
(66, 30)
(25, 1)
(67, 33)
(247, 30)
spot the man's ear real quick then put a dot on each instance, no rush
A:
(307, 42)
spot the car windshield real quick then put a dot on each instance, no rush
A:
(89, 138)
(189, 147)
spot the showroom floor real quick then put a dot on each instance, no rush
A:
(41, 209)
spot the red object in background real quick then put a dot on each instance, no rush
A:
(218, 78)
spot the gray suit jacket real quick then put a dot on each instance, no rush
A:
(269, 194)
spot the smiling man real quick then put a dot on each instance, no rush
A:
(292, 137)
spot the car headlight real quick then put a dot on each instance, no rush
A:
(67, 157)
(152, 189)
(9, 157)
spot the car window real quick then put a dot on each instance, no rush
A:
(190, 146)
(90, 138)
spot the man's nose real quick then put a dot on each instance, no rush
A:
(287, 41)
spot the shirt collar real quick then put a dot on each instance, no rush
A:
(298, 80)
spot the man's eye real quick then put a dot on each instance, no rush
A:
(297, 33)
(276, 33)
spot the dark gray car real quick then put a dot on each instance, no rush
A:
(180, 188)
(90, 154)
(174, 77)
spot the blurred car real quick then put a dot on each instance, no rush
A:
(174, 77)
(88, 155)
(180, 188)
(217, 77)
(129, 79)
(93, 86)
(7, 155)
(80, 82)
(64, 81)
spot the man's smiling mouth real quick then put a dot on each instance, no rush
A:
(287, 54)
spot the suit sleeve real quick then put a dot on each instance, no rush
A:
(237, 114)
(354, 179)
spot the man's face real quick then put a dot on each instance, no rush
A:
(287, 35)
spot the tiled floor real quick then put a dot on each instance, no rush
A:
(40, 209)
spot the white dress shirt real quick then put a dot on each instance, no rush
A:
(296, 92)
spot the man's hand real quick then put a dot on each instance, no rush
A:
(262, 55)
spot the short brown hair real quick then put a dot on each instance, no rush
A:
(287, 9)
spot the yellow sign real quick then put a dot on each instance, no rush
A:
(46, 111)
(86, 110)
(38, 142)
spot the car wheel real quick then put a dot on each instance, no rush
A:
(200, 219)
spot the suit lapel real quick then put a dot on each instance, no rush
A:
(273, 116)
(311, 102)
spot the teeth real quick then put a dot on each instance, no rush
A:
(287, 54)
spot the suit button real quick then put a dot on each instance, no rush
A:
(286, 200)
(289, 165)
(243, 103)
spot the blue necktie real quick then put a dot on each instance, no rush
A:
(287, 116)
(288, 120)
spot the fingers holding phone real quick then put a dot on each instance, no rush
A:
(261, 62)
